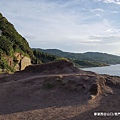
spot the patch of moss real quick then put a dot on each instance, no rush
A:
(49, 85)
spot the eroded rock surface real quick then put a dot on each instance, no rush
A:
(22, 61)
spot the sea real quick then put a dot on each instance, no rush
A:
(110, 70)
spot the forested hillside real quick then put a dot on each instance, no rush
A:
(42, 57)
(12, 43)
(104, 57)
(80, 62)
(88, 56)
(10, 40)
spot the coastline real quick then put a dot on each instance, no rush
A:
(110, 70)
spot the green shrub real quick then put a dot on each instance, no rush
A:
(5, 45)
(43, 57)
(49, 85)
(13, 38)
(4, 65)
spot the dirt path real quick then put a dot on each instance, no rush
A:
(40, 76)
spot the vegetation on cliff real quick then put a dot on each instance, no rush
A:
(10, 42)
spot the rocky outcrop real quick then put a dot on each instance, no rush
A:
(1, 70)
(60, 66)
(90, 83)
(25, 61)
(22, 61)
(17, 62)
(0, 32)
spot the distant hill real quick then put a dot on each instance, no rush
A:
(42, 57)
(79, 60)
(78, 56)
(88, 56)
(103, 57)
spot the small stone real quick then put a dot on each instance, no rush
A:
(92, 97)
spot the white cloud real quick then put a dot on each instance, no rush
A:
(97, 10)
(108, 40)
(115, 12)
(112, 1)
(55, 24)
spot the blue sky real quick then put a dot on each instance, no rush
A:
(69, 25)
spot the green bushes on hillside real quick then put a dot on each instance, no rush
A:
(4, 65)
(6, 45)
(43, 57)
(85, 63)
(10, 42)
(11, 37)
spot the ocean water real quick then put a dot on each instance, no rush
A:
(111, 70)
